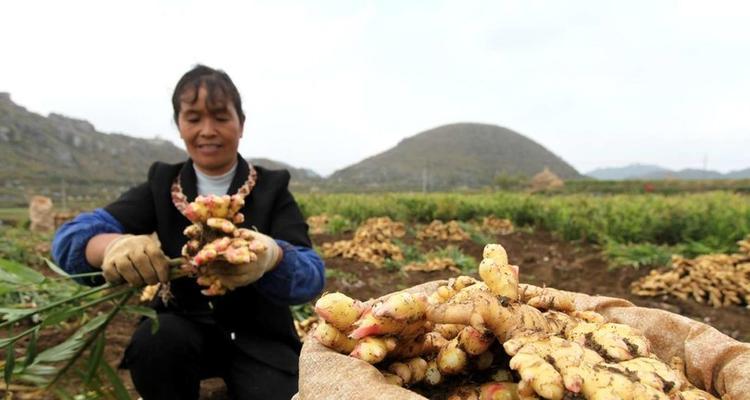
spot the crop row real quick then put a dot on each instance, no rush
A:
(718, 219)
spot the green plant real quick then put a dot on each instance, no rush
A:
(466, 263)
(302, 311)
(332, 273)
(475, 233)
(718, 218)
(637, 255)
(338, 224)
(90, 309)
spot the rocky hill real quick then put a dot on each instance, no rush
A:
(34, 147)
(464, 155)
(56, 154)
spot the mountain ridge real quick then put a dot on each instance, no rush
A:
(655, 172)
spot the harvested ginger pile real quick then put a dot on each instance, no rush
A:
(497, 226)
(318, 224)
(433, 264)
(469, 328)
(438, 230)
(371, 243)
(717, 279)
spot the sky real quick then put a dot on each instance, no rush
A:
(328, 83)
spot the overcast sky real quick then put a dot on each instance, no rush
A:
(328, 83)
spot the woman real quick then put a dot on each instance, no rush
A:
(246, 336)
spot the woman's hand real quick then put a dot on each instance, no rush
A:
(233, 276)
(137, 260)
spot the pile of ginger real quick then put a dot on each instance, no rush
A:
(372, 243)
(421, 341)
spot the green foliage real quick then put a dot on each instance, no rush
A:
(661, 186)
(410, 253)
(637, 255)
(466, 263)
(475, 233)
(14, 215)
(339, 274)
(507, 181)
(21, 286)
(338, 225)
(34, 303)
(302, 311)
(19, 244)
(718, 218)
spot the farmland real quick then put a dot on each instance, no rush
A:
(592, 243)
(715, 219)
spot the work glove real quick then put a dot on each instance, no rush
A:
(137, 260)
(233, 276)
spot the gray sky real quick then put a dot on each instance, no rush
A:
(328, 83)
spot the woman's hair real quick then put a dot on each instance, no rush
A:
(218, 85)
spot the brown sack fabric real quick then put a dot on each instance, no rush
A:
(325, 374)
(714, 361)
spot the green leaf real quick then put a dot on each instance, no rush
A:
(10, 313)
(146, 312)
(9, 341)
(13, 272)
(32, 379)
(67, 349)
(54, 267)
(30, 350)
(60, 316)
(95, 358)
(10, 363)
(119, 388)
(7, 288)
(36, 374)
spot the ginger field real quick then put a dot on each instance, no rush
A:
(596, 244)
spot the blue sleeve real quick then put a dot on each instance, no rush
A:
(299, 277)
(69, 244)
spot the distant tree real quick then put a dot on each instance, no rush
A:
(507, 181)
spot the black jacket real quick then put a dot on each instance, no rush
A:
(263, 329)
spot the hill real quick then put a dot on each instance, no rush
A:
(655, 172)
(55, 154)
(463, 155)
(687, 174)
(627, 172)
(740, 174)
(53, 148)
(302, 178)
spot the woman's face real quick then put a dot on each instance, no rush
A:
(211, 132)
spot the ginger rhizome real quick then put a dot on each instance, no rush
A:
(214, 238)
(468, 327)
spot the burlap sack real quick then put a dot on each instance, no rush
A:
(714, 361)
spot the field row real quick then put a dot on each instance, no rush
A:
(717, 219)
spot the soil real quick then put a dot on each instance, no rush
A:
(544, 260)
